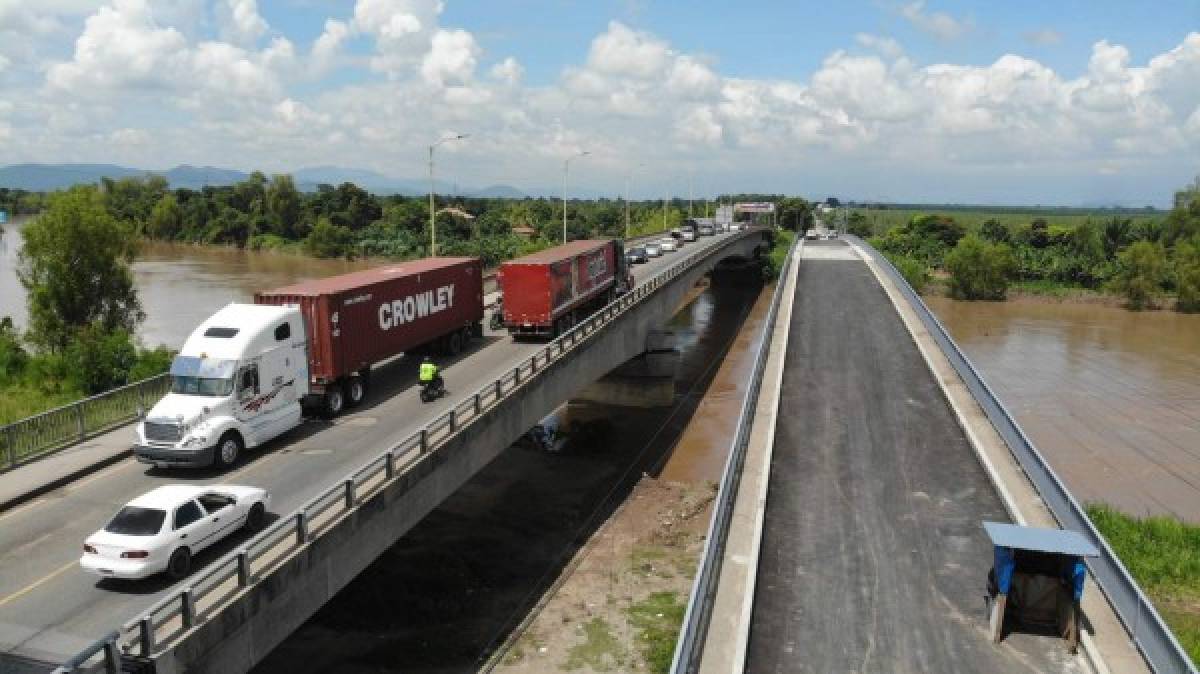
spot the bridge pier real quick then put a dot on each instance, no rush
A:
(647, 380)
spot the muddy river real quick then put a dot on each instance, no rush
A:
(180, 285)
(1110, 397)
(453, 588)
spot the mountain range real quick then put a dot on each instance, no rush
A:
(45, 177)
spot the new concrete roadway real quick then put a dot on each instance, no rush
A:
(873, 558)
(50, 609)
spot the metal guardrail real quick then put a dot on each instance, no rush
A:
(63, 426)
(690, 644)
(1150, 634)
(206, 592)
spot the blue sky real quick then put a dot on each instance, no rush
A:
(1065, 102)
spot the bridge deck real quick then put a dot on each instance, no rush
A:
(873, 557)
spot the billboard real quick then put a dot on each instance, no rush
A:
(755, 207)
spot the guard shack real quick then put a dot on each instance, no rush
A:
(1036, 581)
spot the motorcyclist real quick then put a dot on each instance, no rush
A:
(428, 374)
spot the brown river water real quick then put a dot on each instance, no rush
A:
(1110, 397)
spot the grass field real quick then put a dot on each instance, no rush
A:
(1163, 554)
(884, 219)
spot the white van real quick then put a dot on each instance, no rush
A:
(237, 383)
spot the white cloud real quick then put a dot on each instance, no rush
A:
(328, 45)
(886, 46)
(122, 45)
(508, 71)
(240, 22)
(402, 30)
(452, 58)
(1043, 37)
(624, 52)
(938, 24)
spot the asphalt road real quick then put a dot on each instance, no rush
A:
(873, 557)
(50, 609)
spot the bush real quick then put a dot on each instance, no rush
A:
(1187, 275)
(979, 270)
(779, 249)
(328, 240)
(13, 357)
(1142, 270)
(150, 362)
(858, 225)
(98, 360)
(913, 270)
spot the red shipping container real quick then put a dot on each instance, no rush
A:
(542, 288)
(358, 319)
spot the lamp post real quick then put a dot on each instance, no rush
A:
(628, 175)
(432, 220)
(566, 167)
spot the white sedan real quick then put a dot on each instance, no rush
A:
(163, 529)
(668, 245)
(653, 249)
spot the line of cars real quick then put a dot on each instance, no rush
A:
(689, 232)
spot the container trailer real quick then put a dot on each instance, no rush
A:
(548, 292)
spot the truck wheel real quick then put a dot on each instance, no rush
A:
(454, 343)
(468, 333)
(335, 401)
(356, 390)
(228, 449)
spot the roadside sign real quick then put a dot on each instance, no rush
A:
(3, 217)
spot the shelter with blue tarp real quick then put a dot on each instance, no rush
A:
(1037, 578)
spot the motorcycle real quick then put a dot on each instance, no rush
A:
(497, 320)
(432, 390)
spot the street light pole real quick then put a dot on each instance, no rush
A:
(432, 220)
(628, 175)
(566, 167)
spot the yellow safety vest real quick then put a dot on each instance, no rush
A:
(428, 371)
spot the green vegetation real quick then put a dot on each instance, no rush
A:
(780, 246)
(1163, 554)
(83, 307)
(657, 620)
(1064, 252)
(979, 270)
(1142, 268)
(599, 650)
(913, 270)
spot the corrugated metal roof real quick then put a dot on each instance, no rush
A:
(565, 251)
(367, 277)
(1061, 541)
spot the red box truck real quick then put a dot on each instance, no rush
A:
(547, 292)
(355, 320)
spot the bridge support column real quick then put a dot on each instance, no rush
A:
(645, 381)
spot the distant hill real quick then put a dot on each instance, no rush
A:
(46, 177)
(498, 192)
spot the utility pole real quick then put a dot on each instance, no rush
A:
(432, 219)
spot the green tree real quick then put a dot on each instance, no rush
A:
(98, 359)
(1142, 268)
(13, 356)
(1187, 275)
(993, 230)
(284, 205)
(166, 219)
(1183, 222)
(328, 240)
(858, 225)
(75, 266)
(979, 270)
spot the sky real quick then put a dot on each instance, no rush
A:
(1066, 103)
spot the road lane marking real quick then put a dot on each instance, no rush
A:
(69, 487)
(37, 583)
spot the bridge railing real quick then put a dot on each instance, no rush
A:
(205, 592)
(1149, 632)
(690, 644)
(63, 426)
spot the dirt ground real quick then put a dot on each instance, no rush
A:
(594, 621)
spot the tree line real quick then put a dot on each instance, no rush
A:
(1144, 261)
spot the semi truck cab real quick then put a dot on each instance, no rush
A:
(236, 383)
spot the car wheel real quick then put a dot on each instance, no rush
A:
(228, 449)
(179, 564)
(335, 401)
(356, 390)
(256, 517)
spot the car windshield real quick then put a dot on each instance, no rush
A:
(201, 386)
(135, 521)
(202, 376)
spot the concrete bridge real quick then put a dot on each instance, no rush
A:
(392, 461)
